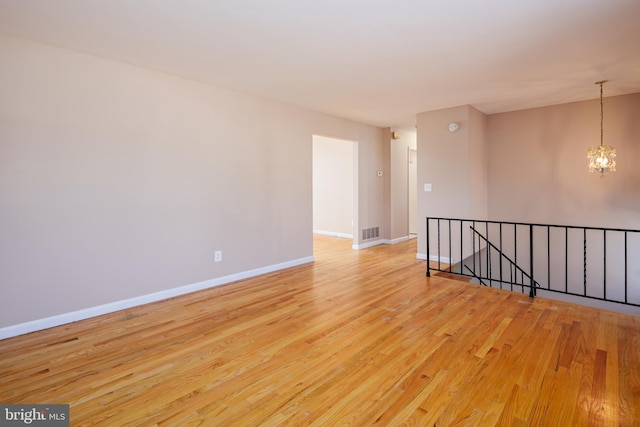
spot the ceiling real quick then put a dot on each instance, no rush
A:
(374, 61)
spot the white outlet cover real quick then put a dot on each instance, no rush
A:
(427, 187)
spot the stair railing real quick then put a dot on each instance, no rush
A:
(532, 283)
(588, 262)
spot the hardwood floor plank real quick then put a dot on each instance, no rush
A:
(355, 338)
(612, 388)
(533, 369)
(629, 368)
(495, 334)
(542, 399)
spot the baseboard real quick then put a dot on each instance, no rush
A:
(74, 316)
(369, 244)
(333, 233)
(442, 259)
(381, 242)
(397, 240)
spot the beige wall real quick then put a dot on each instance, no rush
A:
(454, 163)
(117, 182)
(478, 164)
(333, 186)
(530, 165)
(371, 191)
(537, 166)
(537, 172)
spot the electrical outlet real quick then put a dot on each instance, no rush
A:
(217, 257)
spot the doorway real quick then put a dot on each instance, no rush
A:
(413, 193)
(334, 186)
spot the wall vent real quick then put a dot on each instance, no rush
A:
(370, 233)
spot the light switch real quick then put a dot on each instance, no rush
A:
(427, 187)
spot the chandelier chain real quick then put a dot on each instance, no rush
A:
(601, 116)
(602, 158)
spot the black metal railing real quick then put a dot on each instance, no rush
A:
(588, 262)
(514, 269)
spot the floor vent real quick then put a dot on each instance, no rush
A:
(370, 233)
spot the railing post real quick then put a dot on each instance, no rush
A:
(473, 246)
(500, 258)
(584, 231)
(566, 260)
(461, 251)
(450, 259)
(439, 268)
(486, 232)
(532, 290)
(548, 256)
(428, 251)
(625, 269)
(604, 264)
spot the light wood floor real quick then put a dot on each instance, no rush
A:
(356, 338)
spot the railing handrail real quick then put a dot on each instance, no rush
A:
(526, 224)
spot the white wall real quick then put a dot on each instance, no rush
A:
(117, 181)
(333, 186)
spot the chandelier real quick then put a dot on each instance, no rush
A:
(602, 158)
